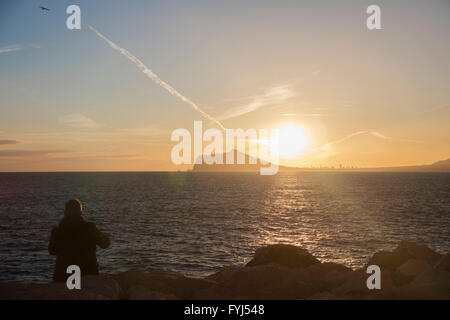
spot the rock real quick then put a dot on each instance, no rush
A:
(431, 284)
(444, 263)
(276, 272)
(103, 285)
(142, 293)
(387, 279)
(418, 251)
(261, 282)
(355, 286)
(404, 251)
(168, 283)
(92, 288)
(284, 255)
(323, 296)
(409, 270)
(323, 276)
(431, 277)
(47, 291)
(274, 281)
(224, 274)
(387, 260)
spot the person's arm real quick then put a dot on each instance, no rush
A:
(52, 246)
(101, 239)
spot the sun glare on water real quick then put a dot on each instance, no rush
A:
(290, 143)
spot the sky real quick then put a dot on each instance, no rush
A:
(69, 101)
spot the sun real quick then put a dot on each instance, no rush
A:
(290, 143)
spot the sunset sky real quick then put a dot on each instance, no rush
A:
(70, 102)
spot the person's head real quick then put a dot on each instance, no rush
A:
(74, 208)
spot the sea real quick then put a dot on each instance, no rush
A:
(194, 223)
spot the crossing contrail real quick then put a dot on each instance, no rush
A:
(149, 73)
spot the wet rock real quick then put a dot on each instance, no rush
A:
(284, 255)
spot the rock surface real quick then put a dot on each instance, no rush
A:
(284, 255)
(410, 271)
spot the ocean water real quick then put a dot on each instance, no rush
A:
(195, 223)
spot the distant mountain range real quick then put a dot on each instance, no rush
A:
(440, 166)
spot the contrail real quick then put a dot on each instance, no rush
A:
(357, 133)
(149, 73)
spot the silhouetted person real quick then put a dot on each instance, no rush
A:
(74, 242)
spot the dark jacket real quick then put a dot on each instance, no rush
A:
(74, 242)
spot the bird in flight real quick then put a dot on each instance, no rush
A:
(44, 8)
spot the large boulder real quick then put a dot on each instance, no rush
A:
(284, 255)
(405, 251)
(387, 259)
(418, 251)
(261, 282)
(274, 281)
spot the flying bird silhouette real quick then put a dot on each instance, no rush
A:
(44, 8)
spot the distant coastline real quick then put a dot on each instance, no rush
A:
(440, 166)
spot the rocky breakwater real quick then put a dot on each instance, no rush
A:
(410, 271)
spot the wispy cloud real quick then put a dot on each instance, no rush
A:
(288, 114)
(3, 142)
(16, 47)
(271, 96)
(305, 115)
(27, 153)
(80, 121)
(437, 108)
(145, 131)
(352, 135)
(11, 48)
(149, 73)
